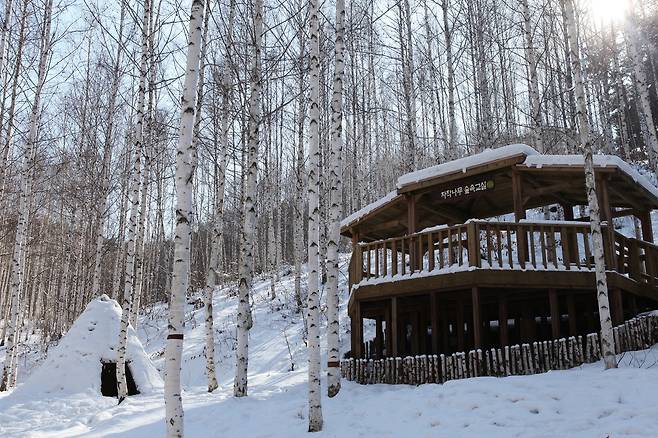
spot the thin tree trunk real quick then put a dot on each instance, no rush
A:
(131, 234)
(244, 319)
(335, 202)
(607, 344)
(314, 399)
(185, 156)
(9, 372)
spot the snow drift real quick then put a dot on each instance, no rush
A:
(74, 366)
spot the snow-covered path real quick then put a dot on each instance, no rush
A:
(583, 402)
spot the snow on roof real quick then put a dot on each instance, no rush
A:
(368, 209)
(466, 163)
(540, 161)
(74, 365)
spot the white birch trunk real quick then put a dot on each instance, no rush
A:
(185, 156)
(607, 342)
(16, 285)
(314, 397)
(131, 233)
(335, 200)
(107, 158)
(533, 82)
(244, 320)
(452, 121)
(641, 82)
(4, 32)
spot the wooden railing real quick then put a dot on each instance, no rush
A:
(502, 245)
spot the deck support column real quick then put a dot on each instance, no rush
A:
(502, 321)
(357, 331)
(477, 320)
(394, 327)
(379, 345)
(555, 313)
(647, 228)
(460, 324)
(434, 314)
(571, 310)
(617, 307)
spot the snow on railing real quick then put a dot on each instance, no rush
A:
(544, 245)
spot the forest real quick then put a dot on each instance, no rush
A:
(157, 151)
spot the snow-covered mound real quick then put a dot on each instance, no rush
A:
(74, 366)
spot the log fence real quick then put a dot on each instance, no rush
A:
(524, 359)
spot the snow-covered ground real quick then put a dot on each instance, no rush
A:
(585, 401)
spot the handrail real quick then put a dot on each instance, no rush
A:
(503, 245)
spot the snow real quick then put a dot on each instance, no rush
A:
(540, 161)
(74, 366)
(368, 209)
(466, 163)
(584, 401)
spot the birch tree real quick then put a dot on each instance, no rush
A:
(533, 81)
(107, 156)
(335, 202)
(244, 319)
(185, 157)
(314, 399)
(641, 81)
(607, 341)
(131, 233)
(17, 280)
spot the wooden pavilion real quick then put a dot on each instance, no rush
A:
(449, 262)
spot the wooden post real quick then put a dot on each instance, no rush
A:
(572, 240)
(379, 346)
(411, 229)
(358, 263)
(502, 320)
(617, 307)
(555, 313)
(647, 228)
(443, 311)
(434, 312)
(357, 330)
(606, 215)
(519, 214)
(415, 333)
(571, 310)
(460, 324)
(394, 327)
(477, 320)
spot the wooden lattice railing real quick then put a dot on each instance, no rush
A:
(502, 245)
(538, 357)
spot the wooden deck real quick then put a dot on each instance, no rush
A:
(481, 261)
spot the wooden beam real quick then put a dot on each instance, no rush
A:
(477, 320)
(552, 190)
(453, 214)
(555, 313)
(357, 332)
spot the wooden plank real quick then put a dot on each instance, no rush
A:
(571, 309)
(647, 227)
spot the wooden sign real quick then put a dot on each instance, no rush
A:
(467, 189)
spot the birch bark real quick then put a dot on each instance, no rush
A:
(9, 371)
(185, 156)
(244, 320)
(131, 233)
(335, 202)
(314, 400)
(607, 342)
